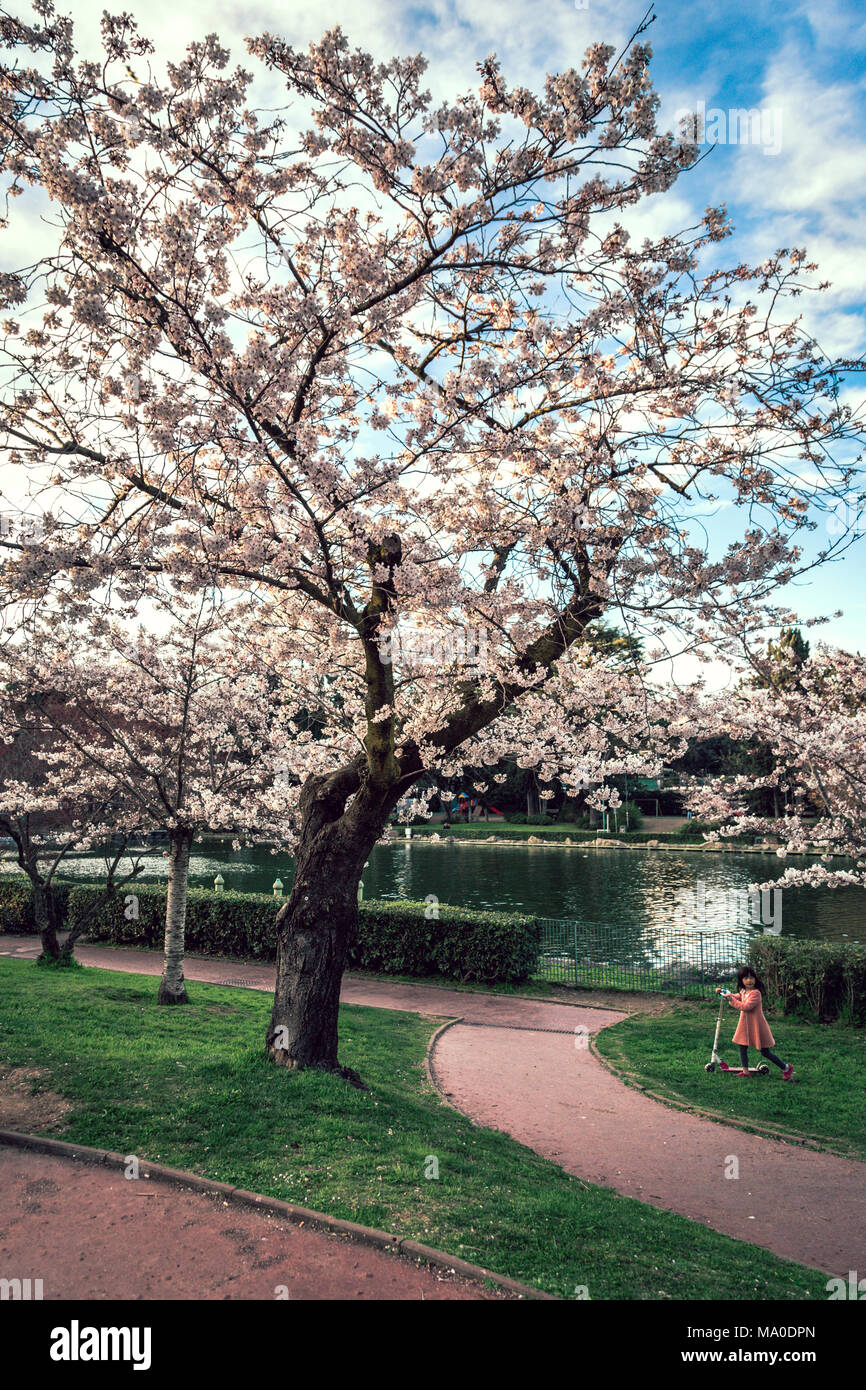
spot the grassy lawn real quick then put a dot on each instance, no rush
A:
(191, 1087)
(826, 1102)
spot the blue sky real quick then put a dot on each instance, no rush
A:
(800, 182)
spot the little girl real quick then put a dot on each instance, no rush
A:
(753, 1029)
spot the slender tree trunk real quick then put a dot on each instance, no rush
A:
(172, 989)
(315, 929)
(47, 917)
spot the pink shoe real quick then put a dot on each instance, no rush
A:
(788, 1073)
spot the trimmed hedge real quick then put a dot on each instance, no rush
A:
(397, 938)
(817, 980)
(16, 904)
(394, 938)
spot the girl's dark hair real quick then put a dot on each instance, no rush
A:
(749, 970)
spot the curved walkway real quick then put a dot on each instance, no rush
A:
(522, 1066)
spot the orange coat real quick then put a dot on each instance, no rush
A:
(753, 1029)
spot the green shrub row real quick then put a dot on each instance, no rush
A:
(490, 947)
(393, 937)
(480, 830)
(696, 830)
(16, 904)
(818, 980)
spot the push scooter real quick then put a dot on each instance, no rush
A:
(716, 1061)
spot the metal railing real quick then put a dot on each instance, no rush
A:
(669, 959)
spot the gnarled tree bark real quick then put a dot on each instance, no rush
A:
(317, 926)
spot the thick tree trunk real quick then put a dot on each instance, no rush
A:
(315, 929)
(172, 989)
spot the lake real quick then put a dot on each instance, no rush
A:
(633, 888)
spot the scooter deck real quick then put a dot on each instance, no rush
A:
(741, 1071)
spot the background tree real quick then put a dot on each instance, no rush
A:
(722, 757)
(785, 658)
(190, 733)
(53, 802)
(815, 729)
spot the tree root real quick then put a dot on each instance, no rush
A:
(281, 1058)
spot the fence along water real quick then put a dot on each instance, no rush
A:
(677, 959)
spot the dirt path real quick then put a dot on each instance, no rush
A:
(124, 1239)
(522, 1066)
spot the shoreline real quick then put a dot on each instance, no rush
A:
(532, 842)
(536, 842)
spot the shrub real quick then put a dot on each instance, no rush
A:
(16, 903)
(237, 924)
(696, 829)
(635, 816)
(819, 980)
(398, 938)
(393, 937)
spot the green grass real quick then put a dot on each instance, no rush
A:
(625, 979)
(826, 1103)
(530, 989)
(191, 1087)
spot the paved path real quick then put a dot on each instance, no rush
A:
(520, 1066)
(125, 1239)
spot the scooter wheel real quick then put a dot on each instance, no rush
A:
(711, 1066)
(763, 1070)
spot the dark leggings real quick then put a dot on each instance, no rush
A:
(765, 1052)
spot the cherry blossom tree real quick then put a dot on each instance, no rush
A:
(53, 803)
(810, 713)
(391, 367)
(184, 726)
